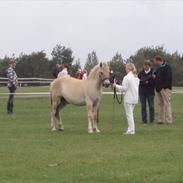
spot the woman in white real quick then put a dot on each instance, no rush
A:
(64, 72)
(85, 75)
(129, 88)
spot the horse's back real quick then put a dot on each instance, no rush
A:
(72, 89)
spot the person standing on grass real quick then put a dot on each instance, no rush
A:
(65, 71)
(57, 69)
(12, 85)
(85, 76)
(164, 90)
(146, 91)
(129, 88)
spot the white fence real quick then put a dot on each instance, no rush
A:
(28, 81)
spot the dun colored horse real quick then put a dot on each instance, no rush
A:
(68, 90)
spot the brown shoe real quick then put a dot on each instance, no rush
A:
(160, 123)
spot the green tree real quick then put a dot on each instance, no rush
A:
(62, 55)
(91, 61)
(117, 65)
(75, 67)
(33, 65)
(4, 66)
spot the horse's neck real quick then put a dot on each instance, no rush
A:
(96, 82)
(95, 79)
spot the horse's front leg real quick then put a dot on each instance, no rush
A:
(90, 116)
(96, 116)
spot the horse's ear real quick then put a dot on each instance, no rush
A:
(101, 64)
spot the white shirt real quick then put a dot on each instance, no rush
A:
(84, 76)
(64, 72)
(130, 88)
(147, 71)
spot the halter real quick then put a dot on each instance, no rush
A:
(100, 76)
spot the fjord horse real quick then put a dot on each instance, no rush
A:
(68, 90)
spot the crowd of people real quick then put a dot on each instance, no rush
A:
(134, 86)
(64, 70)
(143, 85)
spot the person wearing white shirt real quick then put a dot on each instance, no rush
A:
(85, 75)
(64, 72)
(130, 90)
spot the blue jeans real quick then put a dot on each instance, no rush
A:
(11, 99)
(144, 99)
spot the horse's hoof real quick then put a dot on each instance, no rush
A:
(53, 129)
(97, 131)
(90, 131)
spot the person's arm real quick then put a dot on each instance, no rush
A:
(10, 76)
(123, 88)
(168, 77)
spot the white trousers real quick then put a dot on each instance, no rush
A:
(129, 108)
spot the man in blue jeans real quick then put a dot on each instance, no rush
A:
(147, 91)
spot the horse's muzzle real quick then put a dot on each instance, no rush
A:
(106, 83)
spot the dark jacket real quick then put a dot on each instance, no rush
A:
(147, 83)
(55, 72)
(163, 77)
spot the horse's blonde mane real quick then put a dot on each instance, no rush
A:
(93, 72)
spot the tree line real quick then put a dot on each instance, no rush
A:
(37, 64)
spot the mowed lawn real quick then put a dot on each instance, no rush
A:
(31, 153)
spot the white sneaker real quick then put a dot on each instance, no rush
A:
(129, 133)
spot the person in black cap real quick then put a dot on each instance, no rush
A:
(12, 85)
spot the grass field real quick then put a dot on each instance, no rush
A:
(31, 153)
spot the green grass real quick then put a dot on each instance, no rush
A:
(31, 153)
(27, 89)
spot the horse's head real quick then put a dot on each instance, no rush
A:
(104, 74)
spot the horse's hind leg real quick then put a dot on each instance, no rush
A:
(53, 115)
(62, 104)
(95, 114)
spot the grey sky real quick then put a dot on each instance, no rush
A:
(105, 26)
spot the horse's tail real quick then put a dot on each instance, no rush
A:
(51, 100)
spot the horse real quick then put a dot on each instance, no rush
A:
(68, 90)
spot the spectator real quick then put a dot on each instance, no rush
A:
(163, 88)
(146, 91)
(112, 77)
(85, 75)
(80, 74)
(65, 71)
(57, 70)
(129, 88)
(12, 85)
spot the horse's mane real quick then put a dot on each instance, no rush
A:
(94, 72)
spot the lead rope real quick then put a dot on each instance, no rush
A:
(115, 98)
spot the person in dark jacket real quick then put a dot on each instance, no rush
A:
(12, 85)
(57, 69)
(146, 91)
(163, 88)
(112, 77)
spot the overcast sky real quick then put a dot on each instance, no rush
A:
(103, 26)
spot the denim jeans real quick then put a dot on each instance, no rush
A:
(144, 99)
(11, 99)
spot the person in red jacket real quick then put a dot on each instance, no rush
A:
(80, 74)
